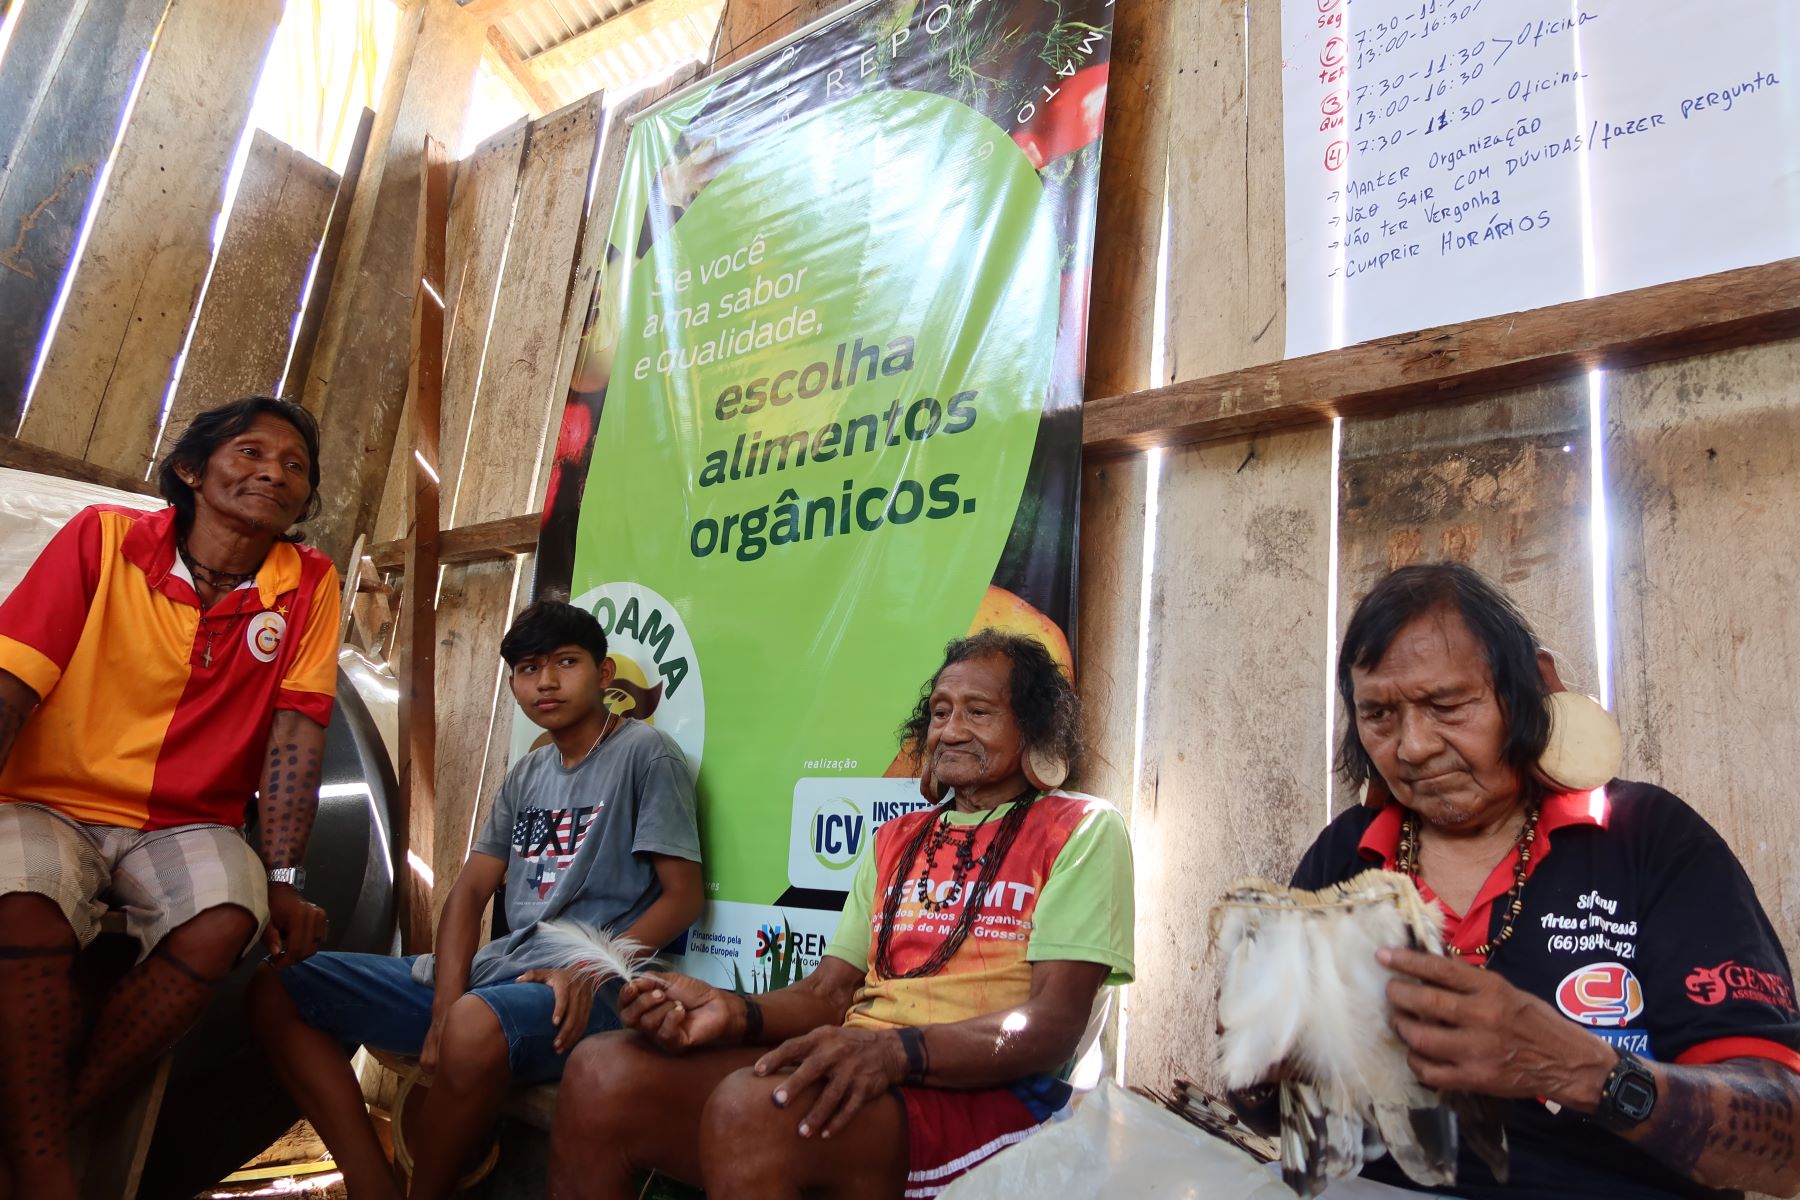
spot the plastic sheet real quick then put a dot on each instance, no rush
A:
(1120, 1144)
(33, 507)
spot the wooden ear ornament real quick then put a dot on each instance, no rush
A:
(1585, 747)
(1375, 792)
(1044, 769)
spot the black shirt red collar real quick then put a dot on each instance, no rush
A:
(1468, 931)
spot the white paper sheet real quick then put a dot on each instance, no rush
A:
(1451, 160)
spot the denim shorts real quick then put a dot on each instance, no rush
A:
(372, 1000)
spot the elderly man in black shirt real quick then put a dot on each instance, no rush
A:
(1612, 975)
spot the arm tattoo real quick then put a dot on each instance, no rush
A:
(1683, 1119)
(290, 789)
(1732, 1125)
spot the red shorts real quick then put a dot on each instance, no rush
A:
(949, 1133)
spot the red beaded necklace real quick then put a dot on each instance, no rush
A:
(1406, 861)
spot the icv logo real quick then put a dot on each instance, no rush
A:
(837, 833)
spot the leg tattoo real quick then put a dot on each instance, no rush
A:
(38, 1015)
(143, 1017)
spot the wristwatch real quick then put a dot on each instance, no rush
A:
(294, 877)
(1628, 1096)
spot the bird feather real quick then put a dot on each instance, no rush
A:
(592, 950)
(1304, 1000)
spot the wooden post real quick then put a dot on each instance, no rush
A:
(418, 633)
(307, 339)
(1741, 307)
(1129, 208)
(358, 379)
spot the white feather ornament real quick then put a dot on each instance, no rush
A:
(592, 950)
(1304, 1001)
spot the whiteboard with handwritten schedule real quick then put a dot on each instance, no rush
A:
(1453, 159)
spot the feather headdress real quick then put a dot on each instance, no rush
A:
(592, 950)
(1304, 1001)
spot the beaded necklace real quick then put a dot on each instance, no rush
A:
(212, 577)
(222, 584)
(965, 860)
(974, 895)
(1406, 861)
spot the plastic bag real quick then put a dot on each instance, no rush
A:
(1120, 1144)
(33, 507)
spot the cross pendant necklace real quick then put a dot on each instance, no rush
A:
(209, 629)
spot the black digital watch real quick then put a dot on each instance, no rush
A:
(1628, 1096)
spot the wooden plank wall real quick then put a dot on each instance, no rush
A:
(481, 209)
(1501, 484)
(246, 323)
(357, 382)
(128, 310)
(63, 83)
(133, 298)
(523, 251)
(1703, 491)
(1702, 478)
(522, 374)
(502, 437)
(1234, 731)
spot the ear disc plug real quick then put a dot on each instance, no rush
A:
(1045, 769)
(1585, 747)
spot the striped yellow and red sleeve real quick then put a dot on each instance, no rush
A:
(310, 685)
(41, 621)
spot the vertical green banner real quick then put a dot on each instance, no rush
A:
(826, 418)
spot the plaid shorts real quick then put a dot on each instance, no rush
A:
(161, 878)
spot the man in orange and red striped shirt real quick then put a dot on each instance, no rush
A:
(156, 671)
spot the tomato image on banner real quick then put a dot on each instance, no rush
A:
(826, 417)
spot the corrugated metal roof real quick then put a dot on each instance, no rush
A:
(539, 26)
(646, 57)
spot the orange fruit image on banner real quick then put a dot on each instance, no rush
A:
(1002, 610)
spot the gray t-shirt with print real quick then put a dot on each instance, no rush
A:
(576, 842)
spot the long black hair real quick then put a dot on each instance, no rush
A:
(1044, 702)
(210, 429)
(1502, 632)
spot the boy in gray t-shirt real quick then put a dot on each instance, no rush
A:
(596, 826)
